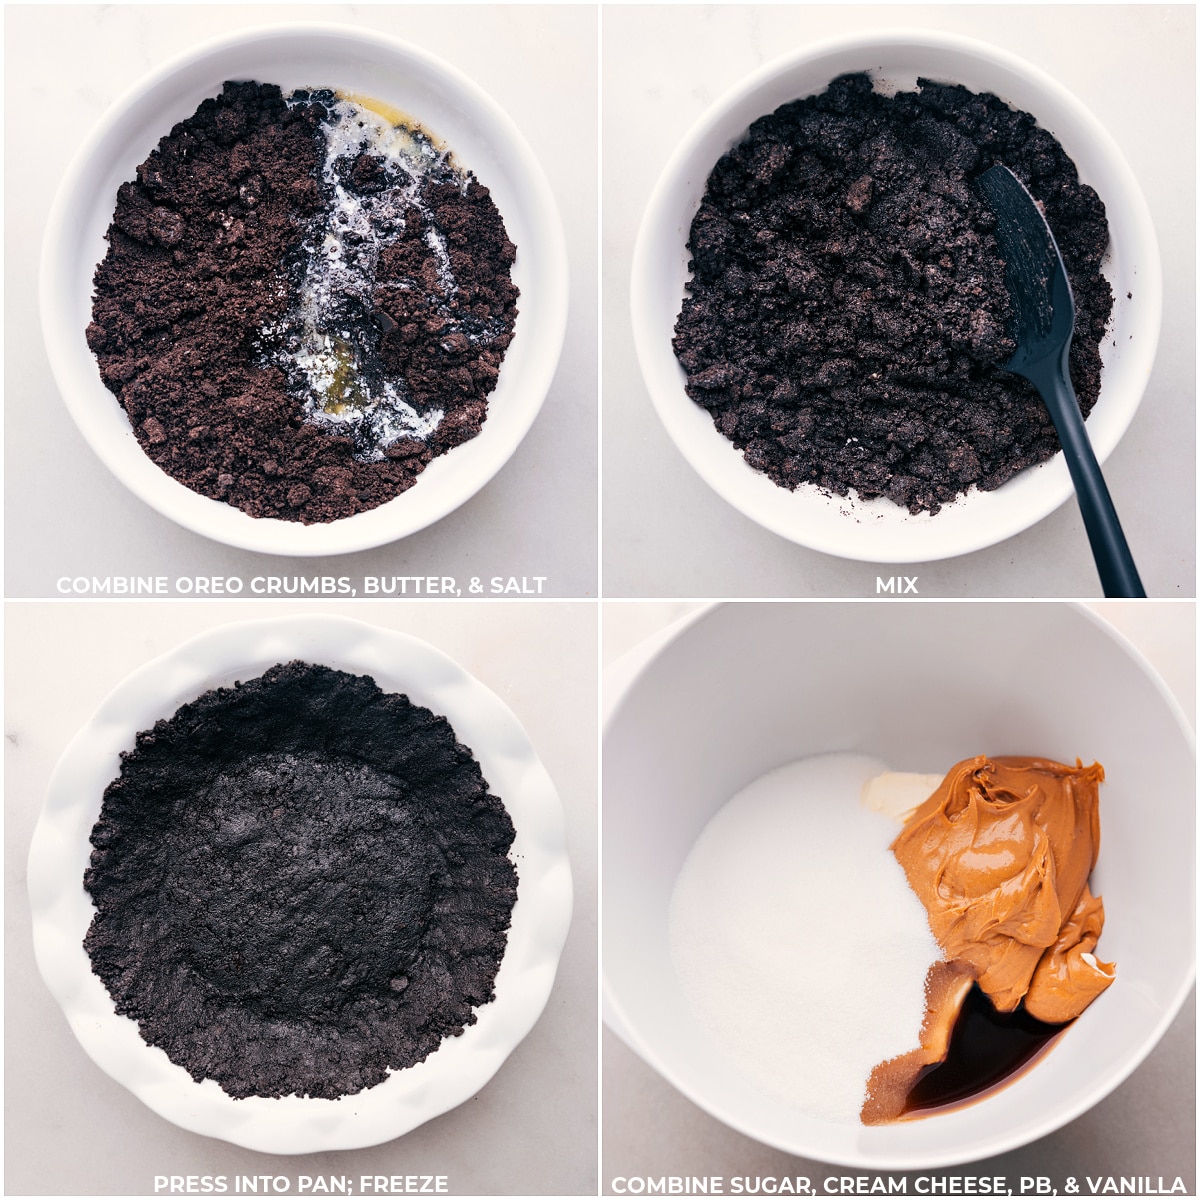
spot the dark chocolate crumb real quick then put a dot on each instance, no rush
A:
(204, 252)
(847, 315)
(301, 884)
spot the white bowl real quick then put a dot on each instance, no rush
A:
(743, 688)
(62, 910)
(446, 103)
(878, 530)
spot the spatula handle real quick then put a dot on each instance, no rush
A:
(1118, 575)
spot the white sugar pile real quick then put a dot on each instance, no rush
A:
(799, 943)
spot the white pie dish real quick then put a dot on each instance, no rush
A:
(878, 530)
(448, 104)
(62, 910)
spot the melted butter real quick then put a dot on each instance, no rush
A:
(344, 390)
(396, 117)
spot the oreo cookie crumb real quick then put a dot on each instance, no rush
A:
(847, 314)
(256, 381)
(301, 884)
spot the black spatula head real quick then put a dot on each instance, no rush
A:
(1037, 280)
(1045, 318)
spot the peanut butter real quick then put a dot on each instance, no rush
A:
(1068, 976)
(946, 987)
(1000, 856)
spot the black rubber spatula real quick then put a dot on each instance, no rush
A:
(1045, 320)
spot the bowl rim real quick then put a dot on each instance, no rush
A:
(61, 909)
(724, 469)
(629, 672)
(76, 374)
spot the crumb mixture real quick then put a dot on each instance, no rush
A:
(301, 884)
(848, 313)
(304, 301)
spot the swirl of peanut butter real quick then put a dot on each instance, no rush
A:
(1069, 976)
(1000, 856)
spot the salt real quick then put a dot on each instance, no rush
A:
(327, 342)
(797, 940)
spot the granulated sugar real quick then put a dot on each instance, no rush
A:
(796, 937)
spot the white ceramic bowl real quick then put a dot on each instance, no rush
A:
(62, 910)
(741, 689)
(446, 103)
(878, 530)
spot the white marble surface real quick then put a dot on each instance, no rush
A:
(665, 532)
(1146, 1127)
(64, 65)
(1163, 633)
(71, 1130)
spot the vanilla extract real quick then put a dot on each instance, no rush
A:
(988, 1049)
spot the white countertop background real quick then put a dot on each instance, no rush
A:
(71, 1130)
(1146, 1127)
(665, 532)
(66, 514)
